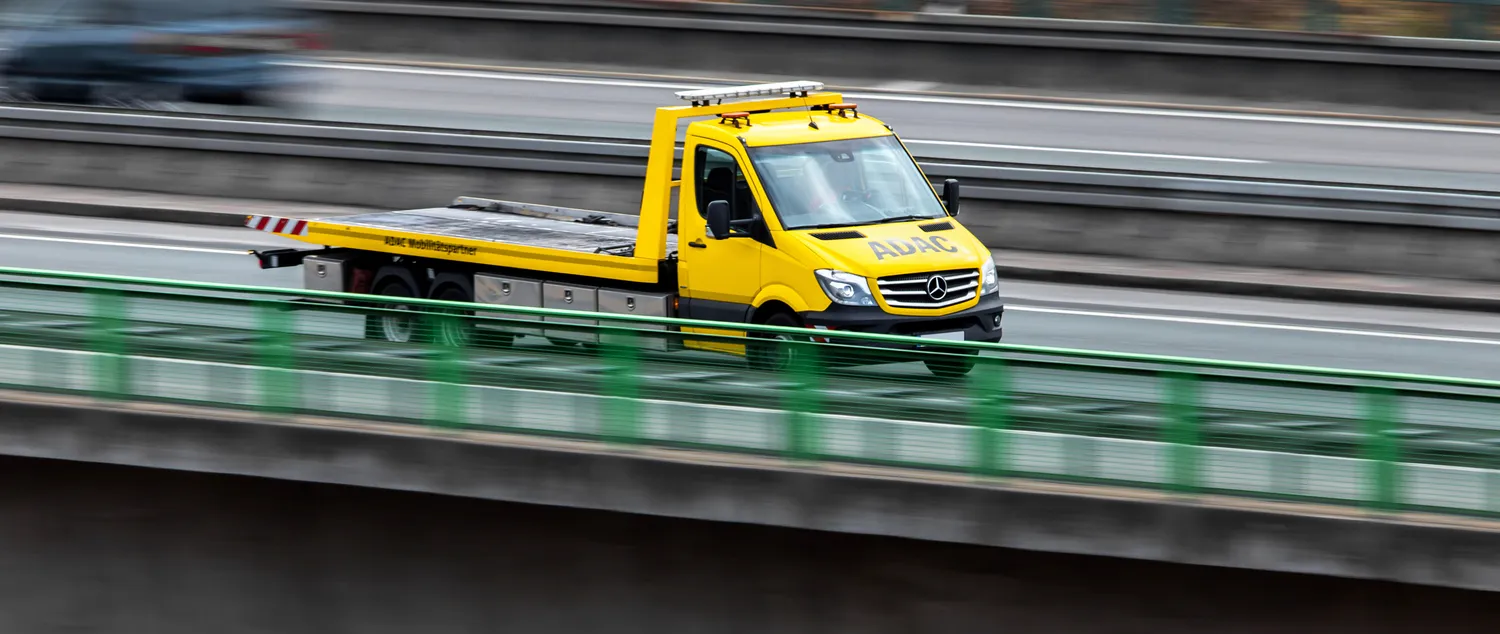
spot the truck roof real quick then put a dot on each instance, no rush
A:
(784, 127)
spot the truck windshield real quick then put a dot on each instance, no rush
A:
(844, 183)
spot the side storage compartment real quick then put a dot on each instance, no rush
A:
(327, 272)
(645, 305)
(570, 297)
(509, 291)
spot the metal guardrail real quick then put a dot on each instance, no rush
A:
(1380, 440)
(1315, 30)
(1037, 184)
(1464, 19)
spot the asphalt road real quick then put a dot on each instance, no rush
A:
(1150, 322)
(973, 129)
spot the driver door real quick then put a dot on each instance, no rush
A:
(718, 279)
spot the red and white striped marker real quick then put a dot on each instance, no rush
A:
(273, 224)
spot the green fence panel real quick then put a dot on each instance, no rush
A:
(1183, 430)
(1381, 449)
(278, 387)
(803, 430)
(623, 387)
(111, 365)
(990, 399)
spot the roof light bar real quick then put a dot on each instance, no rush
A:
(794, 88)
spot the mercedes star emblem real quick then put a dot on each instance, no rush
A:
(937, 288)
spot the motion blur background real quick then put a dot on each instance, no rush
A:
(1294, 183)
(123, 51)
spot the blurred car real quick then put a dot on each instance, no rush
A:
(100, 51)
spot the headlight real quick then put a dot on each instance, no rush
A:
(991, 280)
(845, 288)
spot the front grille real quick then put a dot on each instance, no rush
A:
(919, 290)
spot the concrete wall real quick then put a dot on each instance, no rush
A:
(98, 548)
(1016, 54)
(1131, 524)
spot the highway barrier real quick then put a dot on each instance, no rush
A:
(1382, 441)
(1465, 19)
(1168, 62)
(1265, 215)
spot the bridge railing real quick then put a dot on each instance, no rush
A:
(1384, 441)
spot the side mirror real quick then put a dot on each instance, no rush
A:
(718, 219)
(950, 196)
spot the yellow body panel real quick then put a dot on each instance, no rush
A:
(715, 346)
(897, 249)
(785, 272)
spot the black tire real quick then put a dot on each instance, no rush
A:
(456, 331)
(219, 97)
(460, 332)
(774, 355)
(396, 328)
(58, 92)
(953, 366)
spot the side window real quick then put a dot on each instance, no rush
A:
(719, 177)
(715, 178)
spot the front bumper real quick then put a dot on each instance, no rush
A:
(980, 323)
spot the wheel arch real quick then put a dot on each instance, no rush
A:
(778, 295)
(764, 312)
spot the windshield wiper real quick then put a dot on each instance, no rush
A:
(832, 225)
(884, 221)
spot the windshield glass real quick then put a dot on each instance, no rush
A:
(844, 183)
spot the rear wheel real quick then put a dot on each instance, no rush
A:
(396, 327)
(454, 329)
(59, 92)
(457, 329)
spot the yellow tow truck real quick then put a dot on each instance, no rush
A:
(794, 209)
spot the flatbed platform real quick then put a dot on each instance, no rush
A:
(502, 228)
(491, 232)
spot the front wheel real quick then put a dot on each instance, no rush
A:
(776, 352)
(953, 365)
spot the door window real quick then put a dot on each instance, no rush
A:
(719, 177)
